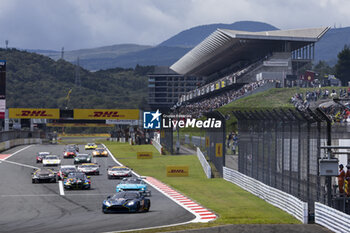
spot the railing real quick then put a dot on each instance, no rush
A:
(332, 219)
(204, 162)
(156, 142)
(278, 198)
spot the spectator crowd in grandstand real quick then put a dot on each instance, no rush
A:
(197, 109)
(335, 111)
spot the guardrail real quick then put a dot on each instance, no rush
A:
(278, 198)
(204, 162)
(9, 135)
(157, 145)
(332, 219)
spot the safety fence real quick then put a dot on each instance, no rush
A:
(278, 198)
(204, 163)
(17, 142)
(332, 219)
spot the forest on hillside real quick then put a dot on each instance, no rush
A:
(38, 81)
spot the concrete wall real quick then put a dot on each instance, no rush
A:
(19, 141)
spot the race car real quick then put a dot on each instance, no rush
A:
(65, 170)
(40, 156)
(90, 146)
(43, 175)
(51, 160)
(118, 172)
(82, 158)
(126, 202)
(100, 152)
(69, 153)
(133, 184)
(77, 180)
(89, 168)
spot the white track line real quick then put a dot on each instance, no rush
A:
(19, 164)
(18, 151)
(60, 185)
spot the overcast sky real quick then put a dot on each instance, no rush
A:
(75, 24)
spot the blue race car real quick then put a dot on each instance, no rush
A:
(131, 201)
(133, 184)
(77, 180)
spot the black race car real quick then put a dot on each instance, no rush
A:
(77, 180)
(44, 175)
(131, 201)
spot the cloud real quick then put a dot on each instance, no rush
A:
(51, 24)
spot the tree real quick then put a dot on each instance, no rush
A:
(342, 68)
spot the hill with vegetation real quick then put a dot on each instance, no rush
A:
(38, 81)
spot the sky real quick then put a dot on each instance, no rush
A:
(78, 24)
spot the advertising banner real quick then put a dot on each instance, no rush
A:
(122, 122)
(2, 108)
(104, 114)
(218, 149)
(35, 113)
(177, 171)
(144, 155)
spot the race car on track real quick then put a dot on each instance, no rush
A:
(82, 158)
(133, 184)
(90, 146)
(89, 168)
(126, 202)
(44, 175)
(100, 152)
(40, 156)
(69, 153)
(51, 160)
(77, 180)
(65, 170)
(118, 172)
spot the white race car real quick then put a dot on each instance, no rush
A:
(51, 160)
(118, 172)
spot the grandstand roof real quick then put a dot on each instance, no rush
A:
(224, 47)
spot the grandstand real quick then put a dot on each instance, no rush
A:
(229, 59)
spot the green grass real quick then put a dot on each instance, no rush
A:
(231, 203)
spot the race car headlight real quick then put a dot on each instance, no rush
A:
(107, 203)
(131, 203)
(51, 174)
(142, 189)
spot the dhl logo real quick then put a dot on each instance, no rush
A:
(177, 171)
(106, 114)
(33, 113)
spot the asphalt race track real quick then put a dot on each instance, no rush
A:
(27, 207)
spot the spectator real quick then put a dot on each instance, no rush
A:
(341, 177)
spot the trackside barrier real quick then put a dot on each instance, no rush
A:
(20, 141)
(204, 162)
(122, 140)
(332, 219)
(278, 198)
(157, 146)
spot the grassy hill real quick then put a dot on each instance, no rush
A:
(37, 81)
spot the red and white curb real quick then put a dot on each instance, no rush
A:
(202, 214)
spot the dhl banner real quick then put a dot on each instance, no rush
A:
(218, 149)
(34, 113)
(78, 125)
(103, 114)
(144, 155)
(177, 171)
